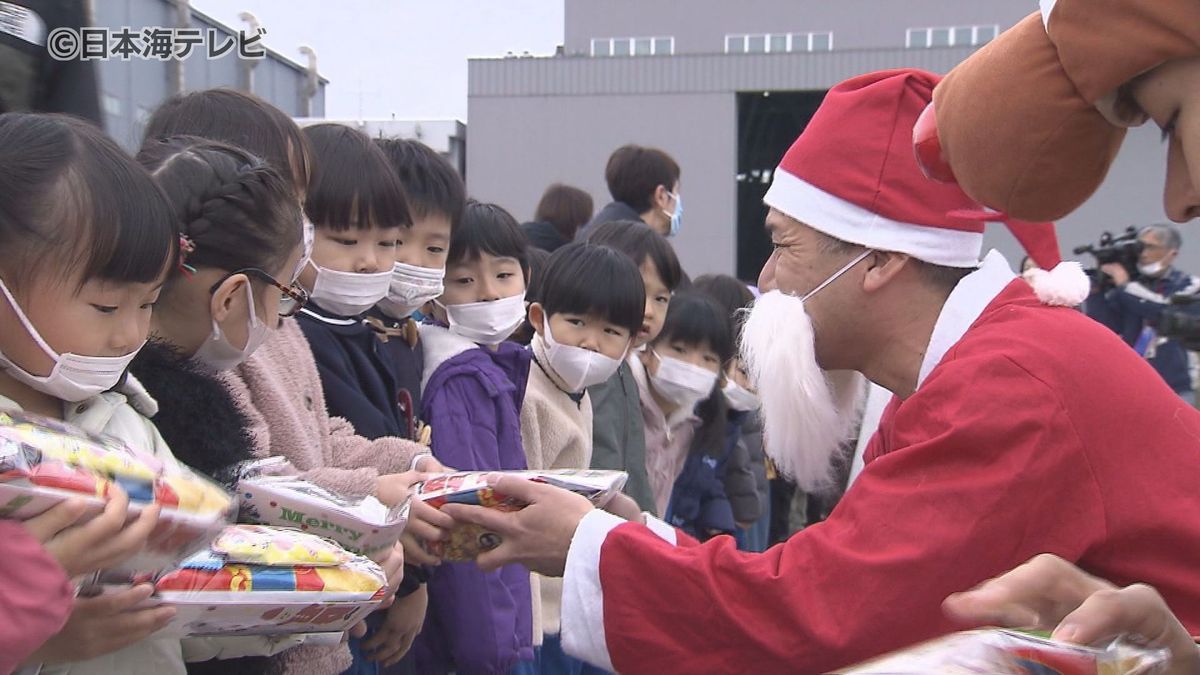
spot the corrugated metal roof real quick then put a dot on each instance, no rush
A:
(696, 73)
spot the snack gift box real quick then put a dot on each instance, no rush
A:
(364, 526)
(259, 580)
(466, 542)
(1001, 652)
(44, 461)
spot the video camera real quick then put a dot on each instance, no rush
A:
(1124, 249)
(1181, 321)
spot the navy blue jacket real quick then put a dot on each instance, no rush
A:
(357, 375)
(699, 504)
(1139, 304)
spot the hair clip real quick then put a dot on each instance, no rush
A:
(186, 248)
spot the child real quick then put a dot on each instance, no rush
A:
(745, 475)
(538, 258)
(87, 239)
(474, 385)
(618, 432)
(435, 195)
(358, 209)
(277, 388)
(588, 308)
(679, 378)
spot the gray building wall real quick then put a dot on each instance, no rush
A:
(131, 90)
(537, 121)
(700, 26)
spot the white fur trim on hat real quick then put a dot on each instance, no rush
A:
(1065, 286)
(851, 223)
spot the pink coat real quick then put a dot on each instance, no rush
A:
(35, 595)
(279, 390)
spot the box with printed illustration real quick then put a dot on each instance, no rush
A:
(44, 462)
(466, 541)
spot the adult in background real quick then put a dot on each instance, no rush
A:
(644, 184)
(561, 212)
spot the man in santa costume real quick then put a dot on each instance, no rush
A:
(1017, 428)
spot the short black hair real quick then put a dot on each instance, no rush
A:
(565, 207)
(696, 319)
(356, 187)
(430, 184)
(634, 173)
(240, 119)
(73, 201)
(583, 278)
(732, 295)
(641, 243)
(488, 228)
(236, 209)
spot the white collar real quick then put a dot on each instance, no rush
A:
(966, 302)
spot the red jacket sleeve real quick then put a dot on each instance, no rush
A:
(976, 483)
(35, 595)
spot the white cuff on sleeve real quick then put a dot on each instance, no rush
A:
(660, 529)
(416, 461)
(582, 595)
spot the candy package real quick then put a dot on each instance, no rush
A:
(312, 585)
(466, 542)
(1007, 652)
(44, 461)
(271, 494)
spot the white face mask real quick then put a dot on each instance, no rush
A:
(740, 398)
(411, 287)
(218, 353)
(578, 368)
(74, 378)
(487, 323)
(1152, 269)
(308, 236)
(682, 383)
(348, 293)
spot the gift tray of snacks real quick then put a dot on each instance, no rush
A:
(44, 461)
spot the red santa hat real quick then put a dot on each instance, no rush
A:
(853, 175)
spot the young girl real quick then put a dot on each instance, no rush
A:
(618, 432)
(277, 388)
(587, 310)
(473, 388)
(87, 239)
(679, 378)
(745, 474)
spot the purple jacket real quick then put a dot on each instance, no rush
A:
(477, 622)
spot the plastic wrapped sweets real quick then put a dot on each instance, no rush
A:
(466, 542)
(1004, 652)
(259, 580)
(44, 461)
(271, 494)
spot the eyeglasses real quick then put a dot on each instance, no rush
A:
(293, 299)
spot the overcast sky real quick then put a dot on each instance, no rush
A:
(406, 58)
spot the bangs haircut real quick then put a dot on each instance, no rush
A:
(239, 119)
(431, 186)
(585, 278)
(356, 188)
(693, 318)
(488, 228)
(640, 243)
(75, 204)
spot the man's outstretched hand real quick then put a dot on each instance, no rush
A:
(537, 536)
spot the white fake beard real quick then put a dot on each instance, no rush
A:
(808, 413)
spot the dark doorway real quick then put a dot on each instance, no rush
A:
(768, 124)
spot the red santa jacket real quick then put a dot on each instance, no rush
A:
(1038, 431)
